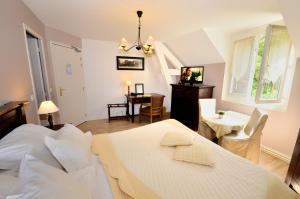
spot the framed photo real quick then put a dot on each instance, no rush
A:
(139, 89)
(130, 63)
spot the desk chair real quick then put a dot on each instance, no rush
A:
(154, 108)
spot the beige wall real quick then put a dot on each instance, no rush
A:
(15, 81)
(214, 75)
(282, 127)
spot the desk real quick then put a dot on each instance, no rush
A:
(230, 122)
(138, 99)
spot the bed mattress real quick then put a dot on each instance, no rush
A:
(231, 177)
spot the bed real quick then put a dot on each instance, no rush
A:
(139, 151)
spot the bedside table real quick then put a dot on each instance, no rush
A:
(56, 127)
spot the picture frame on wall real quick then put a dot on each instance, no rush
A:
(130, 63)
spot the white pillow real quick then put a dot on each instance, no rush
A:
(41, 181)
(196, 153)
(8, 184)
(71, 155)
(94, 179)
(28, 138)
(177, 138)
(70, 132)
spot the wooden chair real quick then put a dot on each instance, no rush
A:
(154, 108)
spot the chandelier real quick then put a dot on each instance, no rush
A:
(147, 47)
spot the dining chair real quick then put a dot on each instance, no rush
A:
(207, 108)
(154, 108)
(247, 143)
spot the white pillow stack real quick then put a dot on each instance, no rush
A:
(186, 149)
(177, 138)
(38, 154)
(8, 184)
(196, 153)
(41, 181)
(26, 139)
(71, 147)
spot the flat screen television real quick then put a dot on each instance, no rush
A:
(193, 74)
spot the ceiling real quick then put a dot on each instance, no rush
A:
(164, 20)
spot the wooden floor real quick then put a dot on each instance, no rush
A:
(273, 164)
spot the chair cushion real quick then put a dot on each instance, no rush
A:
(179, 138)
(197, 153)
(146, 110)
(241, 135)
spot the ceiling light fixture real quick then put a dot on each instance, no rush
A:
(147, 47)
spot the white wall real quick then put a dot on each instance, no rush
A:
(195, 49)
(291, 15)
(105, 84)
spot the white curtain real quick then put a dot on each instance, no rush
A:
(278, 54)
(241, 64)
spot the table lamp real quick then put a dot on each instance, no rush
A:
(128, 83)
(48, 107)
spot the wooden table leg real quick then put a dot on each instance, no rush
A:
(132, 112)
(127, 109)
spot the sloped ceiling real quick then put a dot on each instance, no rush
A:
(194, 49)
(167, 19)
(291, 14)
(181, 24)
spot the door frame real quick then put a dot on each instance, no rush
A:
(26, 29)
(65, 45)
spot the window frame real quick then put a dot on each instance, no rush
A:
(258, 96)
(251, 64)
(249, 99)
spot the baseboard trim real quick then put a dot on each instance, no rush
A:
(276, 154)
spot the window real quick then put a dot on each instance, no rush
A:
(241, 66)
(262, 67)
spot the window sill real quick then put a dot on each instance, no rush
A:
(250, 102)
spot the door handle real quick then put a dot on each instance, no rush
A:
(61, 90)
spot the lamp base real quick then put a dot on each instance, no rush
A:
(128, 90)
(50, 120)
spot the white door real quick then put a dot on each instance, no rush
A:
(69, 81)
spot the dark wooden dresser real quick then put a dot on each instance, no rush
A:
(293, 175)
(185, 103)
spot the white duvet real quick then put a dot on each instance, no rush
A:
(231, 177)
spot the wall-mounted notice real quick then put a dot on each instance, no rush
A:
(68, 69)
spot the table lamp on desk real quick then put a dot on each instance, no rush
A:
(128, 83)
(48, 107)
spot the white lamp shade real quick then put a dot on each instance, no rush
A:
(150, 41)
(47, 107)
(123, 43)
(128, 83)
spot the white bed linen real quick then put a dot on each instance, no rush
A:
(28, 138)
(41, 181)
(94, 179)
(9, 183)
(231, 177)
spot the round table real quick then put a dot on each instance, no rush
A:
(225, 125)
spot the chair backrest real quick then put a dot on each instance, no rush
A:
(157, 101)
(207, 107)
(256, 123)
